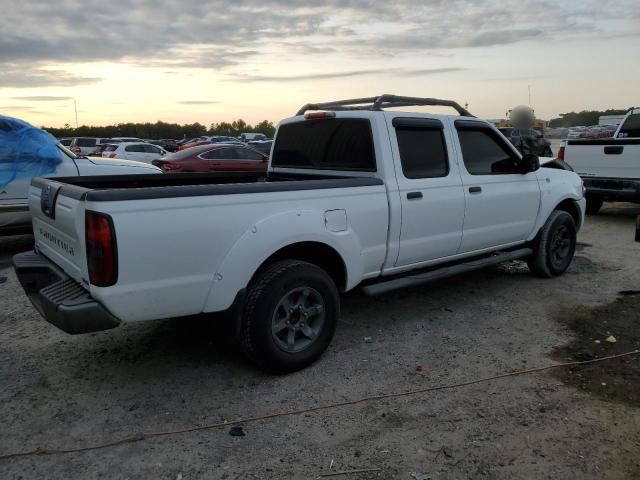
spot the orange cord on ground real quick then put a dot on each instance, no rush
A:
(143, 436)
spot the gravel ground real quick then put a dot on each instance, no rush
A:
(62, 391)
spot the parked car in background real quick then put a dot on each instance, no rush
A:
(85, 146)
(247, 137)
(127, 139)
(263, 146)
(609, 167)
(101, 148)
(168, 144)
(66, 142)
(575, 132)
(597, 132)
(557, 132)
(214, 158)
(27, 152)
(209, 140)
(139, 151)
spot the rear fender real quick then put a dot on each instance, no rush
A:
(268, 236)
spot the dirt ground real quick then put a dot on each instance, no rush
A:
(62, 391)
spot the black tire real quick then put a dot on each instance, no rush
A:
(268, 306)
(554, 246)
(593, 205)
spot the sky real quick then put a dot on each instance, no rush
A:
(210, 61)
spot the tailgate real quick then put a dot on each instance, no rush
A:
(58, 226)
(616, 158)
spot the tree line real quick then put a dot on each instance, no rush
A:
(164, 130)
(583, 118)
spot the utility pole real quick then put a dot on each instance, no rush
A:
(75, 107)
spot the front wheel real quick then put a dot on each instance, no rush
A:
(554, 246)
(290, 316)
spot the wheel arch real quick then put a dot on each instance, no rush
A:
(567, 204)
(317, 253)
(305, 238)
(572, 208)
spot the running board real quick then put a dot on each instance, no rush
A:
(430, 276)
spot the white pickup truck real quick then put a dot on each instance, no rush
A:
(355, 195)
(609, 167)
(14, 208)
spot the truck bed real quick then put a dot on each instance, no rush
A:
(169, 185)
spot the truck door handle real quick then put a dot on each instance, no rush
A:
(613, 150)
(475, 189)
(414, 195)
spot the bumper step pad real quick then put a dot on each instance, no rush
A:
(61, 300)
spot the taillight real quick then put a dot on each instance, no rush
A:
(76, 150)
(166, 166)
(113, 155)
(561, 153)
(102, 260)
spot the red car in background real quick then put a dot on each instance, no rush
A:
(214, 158)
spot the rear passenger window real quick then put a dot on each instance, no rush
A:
(484, 153)
(326, 144)
(135, 148)
(246, 154)
(423, 153)
(219, 154)
(151, 149)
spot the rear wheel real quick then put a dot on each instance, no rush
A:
(554, 246)
(290, 316)
(594, 205)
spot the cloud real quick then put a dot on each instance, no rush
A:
(10, 108)
(42, 98)
(198, 102)
(223, 36)
(344, 74)
(429, 71)
(219, 34)
(309, 76)
(16, 76)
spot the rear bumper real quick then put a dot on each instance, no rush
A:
(60, 299)
(616, 189)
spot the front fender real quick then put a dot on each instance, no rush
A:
(268, 236)
(556, 186)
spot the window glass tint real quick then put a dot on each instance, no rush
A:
(246, 154)
(631, 127)
(134, 148)
(483, 155)
(330, 144)
(151, 149)
(422, 152)
(86, 142)
(219, 154)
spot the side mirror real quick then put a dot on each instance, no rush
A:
(529, 163)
